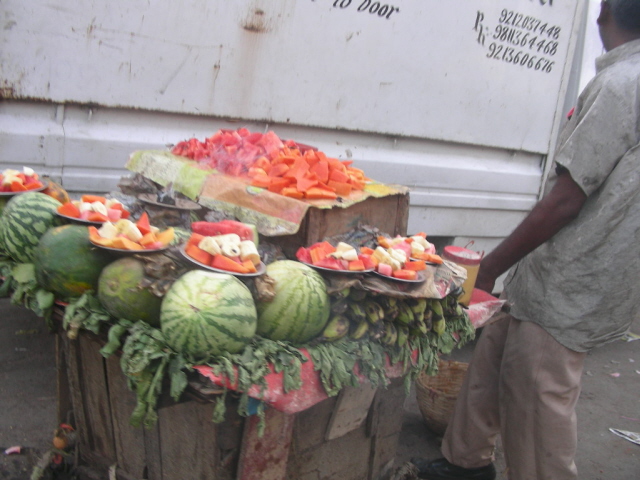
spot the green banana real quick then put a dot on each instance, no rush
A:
(344, 293)
(418, 328)
(428, 318)
(374, 311)
(405, 315)
(403, 335)
(418, 307)
(356, 312)
(390, 334)
(357, 295)
(377, 331)
(358, 330)
(339, 306)
(336, 328)
(439, 324)
(391, 312)
(388, 302)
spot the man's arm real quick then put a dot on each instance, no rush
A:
(555, 210)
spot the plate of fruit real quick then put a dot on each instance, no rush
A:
(224, 253)
(342, 258)
(394, 262)
(127, 237)
(15, 182)
(93, 210)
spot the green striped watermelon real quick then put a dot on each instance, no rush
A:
(25, 219)
(66, 262)
(301, 307)
(206, 314)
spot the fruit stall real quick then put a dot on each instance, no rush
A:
(243, 307)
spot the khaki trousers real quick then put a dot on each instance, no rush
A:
(523, 385)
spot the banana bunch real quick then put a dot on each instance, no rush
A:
(358, 314)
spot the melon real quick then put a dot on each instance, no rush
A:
(205, 314)
(25, 220)
(66, 263)
(121, 294)
(300, 308)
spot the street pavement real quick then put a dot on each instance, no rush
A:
(610, 399)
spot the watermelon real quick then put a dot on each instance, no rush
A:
(245, 231)
(205, 314)
(122, 295)
(25, 219)
(300, 308)
(66, 263)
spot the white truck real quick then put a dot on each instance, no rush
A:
(461, 101)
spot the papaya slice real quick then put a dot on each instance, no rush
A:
(165, 237)
(198, 254)
(405, 274)
(248, 264)
(225, 263)
(69, 209)
(147, 239)
(194, 239)
(416, 265)
(93, 198)
(97, 217)
(143, 224)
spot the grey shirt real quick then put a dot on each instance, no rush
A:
(583, 285)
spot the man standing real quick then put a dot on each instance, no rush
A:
(573, 286)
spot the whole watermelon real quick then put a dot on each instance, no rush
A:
(66, 263)
(300, 308)
(121, 294)
(25, 219)
(206, 314)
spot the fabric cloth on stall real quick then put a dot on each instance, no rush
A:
(577, 285)
(501, 394)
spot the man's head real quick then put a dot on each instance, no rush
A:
(619, 22)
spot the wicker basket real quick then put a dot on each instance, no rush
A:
(436, 394)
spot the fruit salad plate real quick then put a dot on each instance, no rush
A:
(334, 270)
(260, 269)
(78, 221)
(124, 251)
(39, 189)
(420, 277)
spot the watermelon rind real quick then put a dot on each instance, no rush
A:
(66, 262)
(122, 294)
(301, 307)
(26, 218)
(206, 314)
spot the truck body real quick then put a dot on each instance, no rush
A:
(460, 101)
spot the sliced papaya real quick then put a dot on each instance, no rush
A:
(198, 254)
(165, 237)
(224, 263)
(147, 239)
(93, 198)
(97, 217)
(69, 209)
(143, 223)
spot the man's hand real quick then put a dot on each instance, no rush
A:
(555, 210)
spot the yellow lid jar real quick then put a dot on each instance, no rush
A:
(470, 261)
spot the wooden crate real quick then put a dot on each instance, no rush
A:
(352, 436)
(389, 214)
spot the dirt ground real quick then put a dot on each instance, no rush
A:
(610, 399)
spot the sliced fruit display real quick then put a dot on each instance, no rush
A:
(403, 257)
(343, 257)
(280, 166)
(228, 252)
(94, 208)
(14, 181)
(126, 235)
